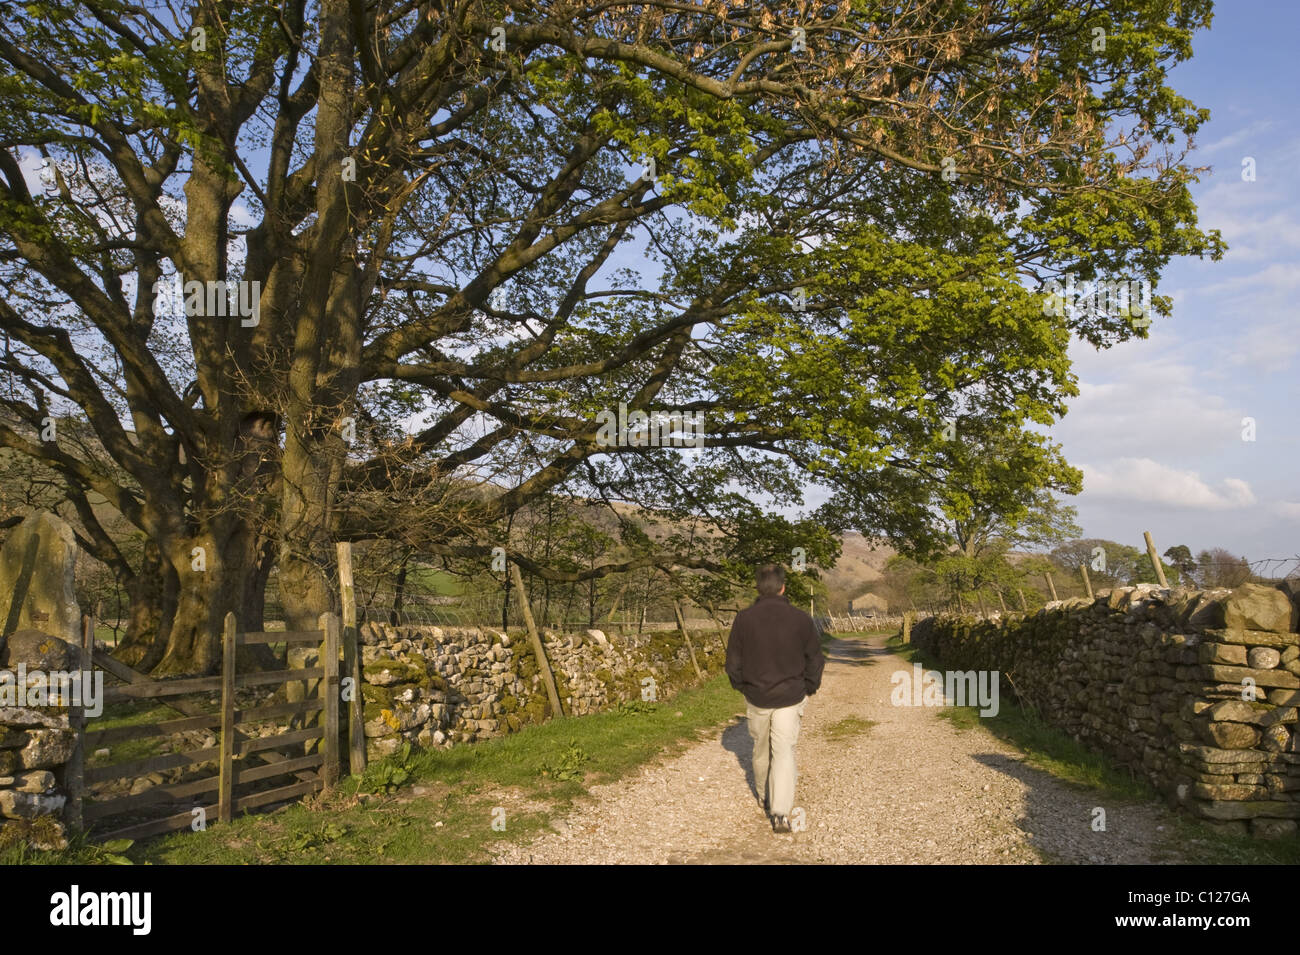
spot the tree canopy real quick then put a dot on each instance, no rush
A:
(454, 233)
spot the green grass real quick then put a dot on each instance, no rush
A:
(129, 713)
(851, 726)
(430, 580)
(962, 717)
(1055, 752)
(534, 774)
(133, 713)
(906, 651)
(1203, 845)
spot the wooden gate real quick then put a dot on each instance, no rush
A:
(244, 763)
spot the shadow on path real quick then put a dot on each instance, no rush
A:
(855, 653)
(737, 741)
(1057, 819)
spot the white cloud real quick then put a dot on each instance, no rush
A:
(1277, 279)
(1265, 348)
(1142, 479)
(1239, 136)
(1290, 509)
(1257, 219)
(1142, 399)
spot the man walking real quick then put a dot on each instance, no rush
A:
(775, 659)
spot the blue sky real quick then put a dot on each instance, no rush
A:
(1157, 426)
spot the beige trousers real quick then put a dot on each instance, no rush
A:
(775, 732)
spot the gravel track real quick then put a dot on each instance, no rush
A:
(911, 788)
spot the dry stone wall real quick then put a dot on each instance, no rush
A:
(35, 744)
(438, 686)
(37, 599)
(1196, 691)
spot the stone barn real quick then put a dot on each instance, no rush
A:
(869, 604)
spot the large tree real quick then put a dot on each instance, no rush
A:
(846, 218)
(1219, 567)
(1109, 563)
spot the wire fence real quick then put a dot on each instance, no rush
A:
(1266, 569)
(484, 610)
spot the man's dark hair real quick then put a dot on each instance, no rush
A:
(770, 579)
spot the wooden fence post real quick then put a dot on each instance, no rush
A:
(618, 599)
(352, 663)
(226, 782)
(1087, 583)
(681, 622)
(329, 688)
(1155, 560)
(907, 626)
(1024, 606)
(1001, 603)
(543, 665)
(1051, 586)
(75, 771)
(722, 629)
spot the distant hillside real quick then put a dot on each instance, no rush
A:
(861, 564)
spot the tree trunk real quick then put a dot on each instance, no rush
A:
(324, 370)
(152, 598)
(253, 617)
(505, 606)
(194, 638)
(568, 606)
(399, 591)
(152, 594)
(220, 567)
(187, 584)
(304, 549)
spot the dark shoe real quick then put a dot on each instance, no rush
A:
(781, 824)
